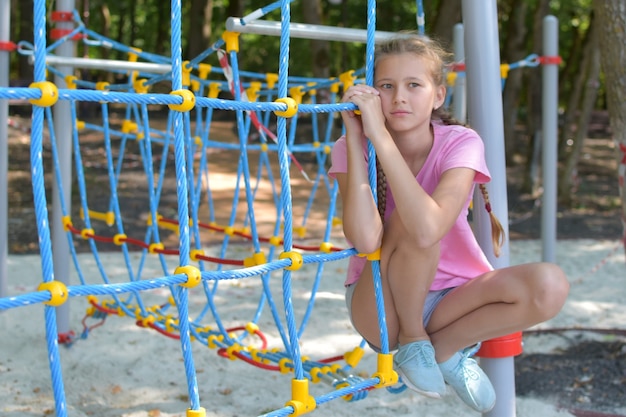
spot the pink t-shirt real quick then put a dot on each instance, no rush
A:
(453, 147)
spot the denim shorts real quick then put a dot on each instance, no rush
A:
(433, 298)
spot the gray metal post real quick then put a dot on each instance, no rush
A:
(5, 26)
(484, 93)
(550, 86)
(459, 100)
(63, 132)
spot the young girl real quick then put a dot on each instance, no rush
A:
(441, 294)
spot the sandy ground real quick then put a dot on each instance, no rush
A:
(121, 369)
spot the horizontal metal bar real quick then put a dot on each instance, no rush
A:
(106, 64)
(305, 31)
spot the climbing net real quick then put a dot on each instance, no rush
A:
(186, 147)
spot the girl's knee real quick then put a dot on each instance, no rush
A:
(551, 289)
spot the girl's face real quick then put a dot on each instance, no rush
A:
(407, 91)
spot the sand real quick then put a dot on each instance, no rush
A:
(121, 369)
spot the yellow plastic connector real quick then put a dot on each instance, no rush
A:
(120, 239)
(232, 41)
(347, 79)
(194, 276)
(140, 86)
(195, 254)
(87, 233)
(300, 231)
(67, 223)
(49, 94)
(326, 247)
(334, 88)
(264, 147)
(327, 149)
(58, 292)
(353, 357)
(296, 93)
(451, 78)
(292, 107)
(128, 126)
(186, 73)
(504, 71)
(80, 125)
(385, 373)
(276, 241)
(200, 412)
(302, 402)
(232, 349)
(214, 90)
(312, 91)
(253, 91)
(374, 256)
(337, 221)
(271, 78)
(252, 327)
(229, 230)
(154, 247)
(189, 101)
(70, 82)
(204, 70)
(147, 321)
(296, 260)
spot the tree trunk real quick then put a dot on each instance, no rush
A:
(197, 41)
(611, 16)
(514, 51)
(534, 101)
(448, 13)
(25, 33)
(591, 73)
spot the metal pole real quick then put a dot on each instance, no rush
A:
(106, 64)
(550, 88)
(5, 26)
(63, 132)
(459, 101)
(485, 115)
(304, 31)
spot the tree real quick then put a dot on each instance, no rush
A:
(611, 15)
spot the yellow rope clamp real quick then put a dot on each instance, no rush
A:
(300, 231)
(504, 71)
(275, 240)
(195, 254)
(186, 73)
(194, 276)
(214, 90)
(154, 247)
(67, 223)
(70, 82)
(128, 126)
(87, 233)
(189, 101)
(271, 78)
(302, 402)
(80, 125)
(119, 239)
(385, 374)
(200, 412)
(347, 79)
(354, 357)
(49, 94)
(231, 350)
(451, 78)
(232, 41)
(290, 111)
(253, 91)
(296, 260)
(140, 86)
(297, 93)
(58, 292)
(326, 247)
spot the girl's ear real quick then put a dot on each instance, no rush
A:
(440, 96)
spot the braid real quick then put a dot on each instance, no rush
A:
(446, 117)
(497, 231)
(381, 189)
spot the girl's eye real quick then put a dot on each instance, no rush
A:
(385, 86)
(413, 85)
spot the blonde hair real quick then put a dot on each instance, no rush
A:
(439, 58)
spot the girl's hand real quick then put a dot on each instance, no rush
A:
(367, 99)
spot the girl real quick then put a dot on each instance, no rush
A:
(441, 294)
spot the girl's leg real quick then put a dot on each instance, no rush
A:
(495, 304)
(407, 273)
